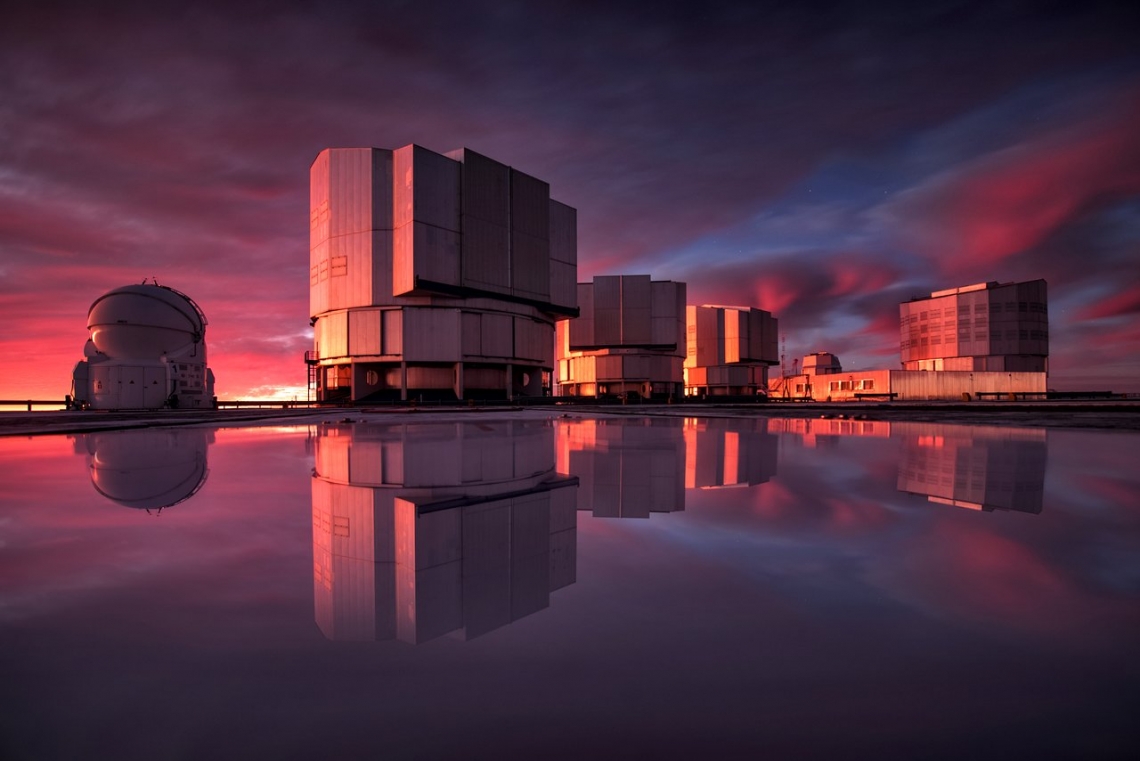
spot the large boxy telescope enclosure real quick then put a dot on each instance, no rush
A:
(434, 276)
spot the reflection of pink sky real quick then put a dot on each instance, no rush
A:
(226, 543)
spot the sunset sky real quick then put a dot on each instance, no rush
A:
(821, 161)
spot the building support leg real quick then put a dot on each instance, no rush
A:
(403, 381)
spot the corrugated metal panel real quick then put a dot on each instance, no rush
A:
(437, 189)
(564, 509)
(332, 332)
(732, 335)
(380, 264)
(484, 378)
(436, 254)
(393, 327)
(364, 332)
(352, 522)
(563, 556)
(533, 454)
(498, 335)
(609, 367)
(431, 335)
(530, 205)
(433, 456)
(530, 266)
(486, 536)
(563, 233)
(664, 300)
(331, 458)
(472, 325)
(318, 291)
(359, 190)
(534, 341)
(403, 186)
(319, 200)
(636, 310)
(486, 189)
(607, 292)
(563, 288)
(582, 328)
(349, 271)
(403, 260)
(486, 248)
(607, 327)
(366, 462)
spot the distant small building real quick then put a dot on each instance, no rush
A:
(729, 350)
(434, 276)
(147, 350)
(629, 339)
(821, 363)
(988, 340)
(988, 327)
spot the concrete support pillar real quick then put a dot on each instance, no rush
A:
(510, 382)
(403, 381)
(459, 388)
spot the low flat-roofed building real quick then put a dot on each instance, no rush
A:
(628, 341)
(436, 276)
(729, 350)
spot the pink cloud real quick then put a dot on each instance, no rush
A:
(1008, 201)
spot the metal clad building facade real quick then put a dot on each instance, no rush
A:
(629, 339)
(984, 327)
(434, 275)
(729, 350)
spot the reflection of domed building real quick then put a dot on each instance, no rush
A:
(147, 350)
(424, 529)
(150, 469)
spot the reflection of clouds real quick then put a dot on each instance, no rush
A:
(424, 529)
(149, 469)
(962, 570)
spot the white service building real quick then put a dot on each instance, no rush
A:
(434, 276)
(147, 350)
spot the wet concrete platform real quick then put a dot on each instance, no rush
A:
(1114, 414)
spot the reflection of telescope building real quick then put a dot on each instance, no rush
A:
(433, 275)
(626, 468)
(148, 469)
(980, 468)
(424, 529)
(722, 453)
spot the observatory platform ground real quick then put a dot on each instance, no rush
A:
(1115, 414)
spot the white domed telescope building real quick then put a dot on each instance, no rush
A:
(147, 350)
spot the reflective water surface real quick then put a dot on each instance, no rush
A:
(517, 586)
